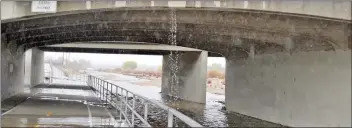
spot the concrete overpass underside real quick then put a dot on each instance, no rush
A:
(281, 67)
(121, 48)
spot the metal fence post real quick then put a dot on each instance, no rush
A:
(126, 103)
(145, 111)
(111, 92)
(133, 107)
(88, 82)
(117, 98)
(94, 83)
(121, 103)
(106, 92)
(97, 84)
(103, 89)
(170, 119)
(100, 89)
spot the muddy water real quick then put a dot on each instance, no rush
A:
(211, 114)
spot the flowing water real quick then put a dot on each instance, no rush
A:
(211, 114)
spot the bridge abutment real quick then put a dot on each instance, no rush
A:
(299, 89)
(12, 69)
(190, 81)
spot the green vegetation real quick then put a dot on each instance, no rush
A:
(216, 74)
(129, 65)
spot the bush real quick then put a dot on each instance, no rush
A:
(216, 74)
(129, 65)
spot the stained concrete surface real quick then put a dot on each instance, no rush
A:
(57, 106)
(182, 73)
(298, 90)
(13, 101)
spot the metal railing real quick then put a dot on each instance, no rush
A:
(118, 98)
(73, 78)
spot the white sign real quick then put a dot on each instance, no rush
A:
(44, 6)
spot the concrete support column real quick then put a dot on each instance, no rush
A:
(190, 81)
(37, 67)
(299, 89)
(12, 69)
(28, 63)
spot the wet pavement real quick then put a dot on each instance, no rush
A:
(59, 105)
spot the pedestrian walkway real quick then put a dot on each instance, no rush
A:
(60, 105)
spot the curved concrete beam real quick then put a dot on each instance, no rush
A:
(111, 48)
(209, 29)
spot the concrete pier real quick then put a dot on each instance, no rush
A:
(302, 89)
(190, 83)
(37, 67)
(12, 69)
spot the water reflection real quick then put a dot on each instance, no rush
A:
(56, 121)
(64, 92)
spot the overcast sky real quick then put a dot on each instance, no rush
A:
(117, 59)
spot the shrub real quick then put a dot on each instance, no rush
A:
(215, 74)
(129, 65)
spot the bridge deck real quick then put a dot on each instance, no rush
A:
(59, 105)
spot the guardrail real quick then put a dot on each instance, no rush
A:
(121, 95)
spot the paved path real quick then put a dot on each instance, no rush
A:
(59, 105)
(64, 103)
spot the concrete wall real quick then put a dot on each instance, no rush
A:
(12, 70)
(27, 68)
(303, 89)
(191, 76)
(37, 67)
